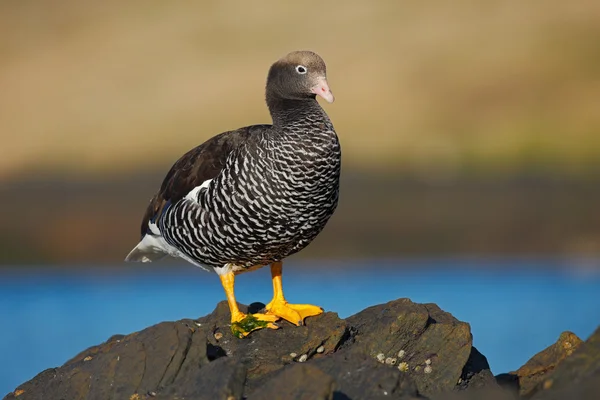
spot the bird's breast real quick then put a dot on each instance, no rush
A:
(269, 201)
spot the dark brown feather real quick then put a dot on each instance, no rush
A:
(194, 167)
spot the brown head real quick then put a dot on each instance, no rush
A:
(297, 76)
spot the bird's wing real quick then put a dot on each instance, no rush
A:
(195, 167)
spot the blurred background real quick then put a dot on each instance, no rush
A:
(471, 161)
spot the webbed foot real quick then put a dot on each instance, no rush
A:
(294, 313)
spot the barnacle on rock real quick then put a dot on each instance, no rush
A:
(403, 366)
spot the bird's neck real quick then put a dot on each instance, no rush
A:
(285, 112)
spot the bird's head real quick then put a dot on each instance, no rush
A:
(297, 76)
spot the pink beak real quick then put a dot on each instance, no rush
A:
(322, 89)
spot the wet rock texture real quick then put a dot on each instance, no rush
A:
(398, 350)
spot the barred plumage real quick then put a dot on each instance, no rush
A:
(274, 195)
(253, 196)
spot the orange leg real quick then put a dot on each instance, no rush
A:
(242, 324)
(294, 313)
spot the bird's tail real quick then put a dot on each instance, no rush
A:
(147, 250)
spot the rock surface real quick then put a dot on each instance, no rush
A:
(398, 350)
(568, 369)
(542, 364)
(431, 345)
(577, 377)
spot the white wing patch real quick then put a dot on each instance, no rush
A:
(153, 228)
(193, 194)
(153, 246)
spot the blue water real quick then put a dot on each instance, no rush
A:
(515, 307)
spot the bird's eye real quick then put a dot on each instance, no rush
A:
(301, 69)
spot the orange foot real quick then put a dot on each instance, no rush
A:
(294, 313)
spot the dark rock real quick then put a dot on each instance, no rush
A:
(222, 379)
(526, 378)
(359, 376)
(576, 377)
(300, 381)
(477, 394)
(326, 358)
(509, 382)
(424, 333)
(136, 364)
(476, 373)
(267, 351)
(477, 382)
